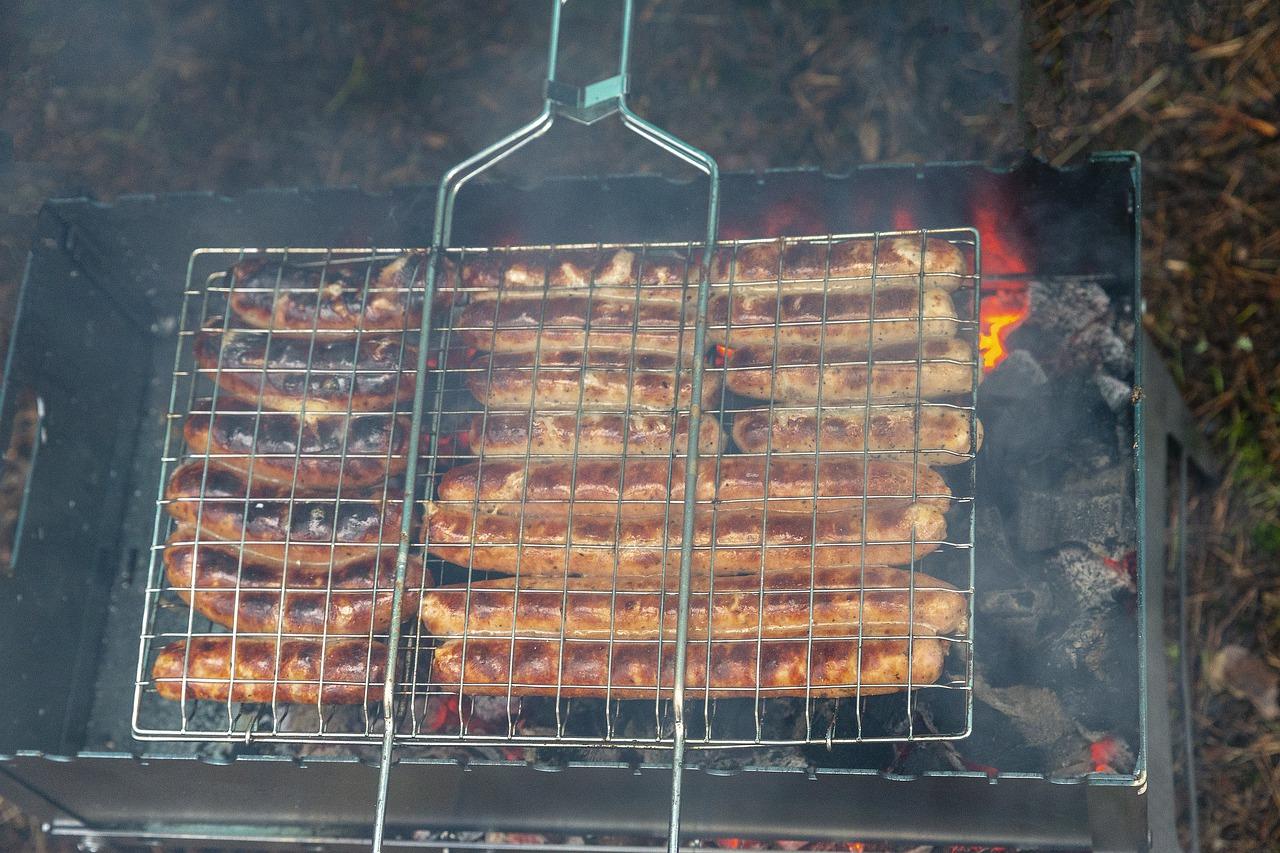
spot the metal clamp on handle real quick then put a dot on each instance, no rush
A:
(586, 105)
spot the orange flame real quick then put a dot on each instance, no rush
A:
(1003, 310)
(1005, 306)
(903, 220)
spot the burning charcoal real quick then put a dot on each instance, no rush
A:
(1118, 394)
(1234, 670)
(1093, 579)
(1017, 376)
(1101, 754)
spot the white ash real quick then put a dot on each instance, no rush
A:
(1067, 306)
(1102, 344)
(1094, 583)
(1117, 394)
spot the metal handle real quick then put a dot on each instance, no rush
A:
(586, 105)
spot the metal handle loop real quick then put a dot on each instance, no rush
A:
(585, 105)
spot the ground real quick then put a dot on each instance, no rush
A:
(105, 98)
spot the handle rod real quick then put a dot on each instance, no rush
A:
(442, 231)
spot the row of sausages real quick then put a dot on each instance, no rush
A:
(369, 375)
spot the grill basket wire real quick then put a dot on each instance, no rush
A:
(430, 712)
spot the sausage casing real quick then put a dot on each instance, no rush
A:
(890, 432)
(646, 544)
(577, 322)
(945, 368)
(520, 435)
(338, 297)
(846, 264)
(501, 274)
(609, 379)
(352, 670)
(649, 484)
(585, 668)
(291, 373)
(245, 592)
(311, 534)
(319, 451)
(845, 600)
(833, 319)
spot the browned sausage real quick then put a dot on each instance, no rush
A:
(945, 368)
(610, 379)
(648, 484)
(776, 667)
(848, 264)
(335, 297)
(891, 432)
(740, 318)
(288, 372)
(577, 321)
(516, 273)
(244, 593)
(520, 435)
(339, 672)
(741, 607)
(313, 534)
(633, 543)
(321, 451)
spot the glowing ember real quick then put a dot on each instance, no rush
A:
(722, 355)
(1103, 753)
(903, 220)
(1003, 310)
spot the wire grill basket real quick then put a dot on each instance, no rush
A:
(283, 453)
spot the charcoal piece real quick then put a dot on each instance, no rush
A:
(1106, 348)
(1117, 393)
(1035, 712)
(1017, 376)
(1047, 519)
(996, 565)
(1066, 306)
(1095, 582)
(1021, 609)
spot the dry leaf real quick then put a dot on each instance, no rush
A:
(1234, 670)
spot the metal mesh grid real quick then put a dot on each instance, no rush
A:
(555, 411)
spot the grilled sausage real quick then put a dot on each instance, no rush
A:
(848, 265)
(610, 379)
(244, 592)
(945, 368)
(339, 672)
(821, 668)
(286, 373)
(589, 434)
(741, 607)
(891, 432)
(521, 273)
(569, 322)
(320, 451)
(337, 296)
(633, 543)
(312, 533)
(834, 319)
(648, 484)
